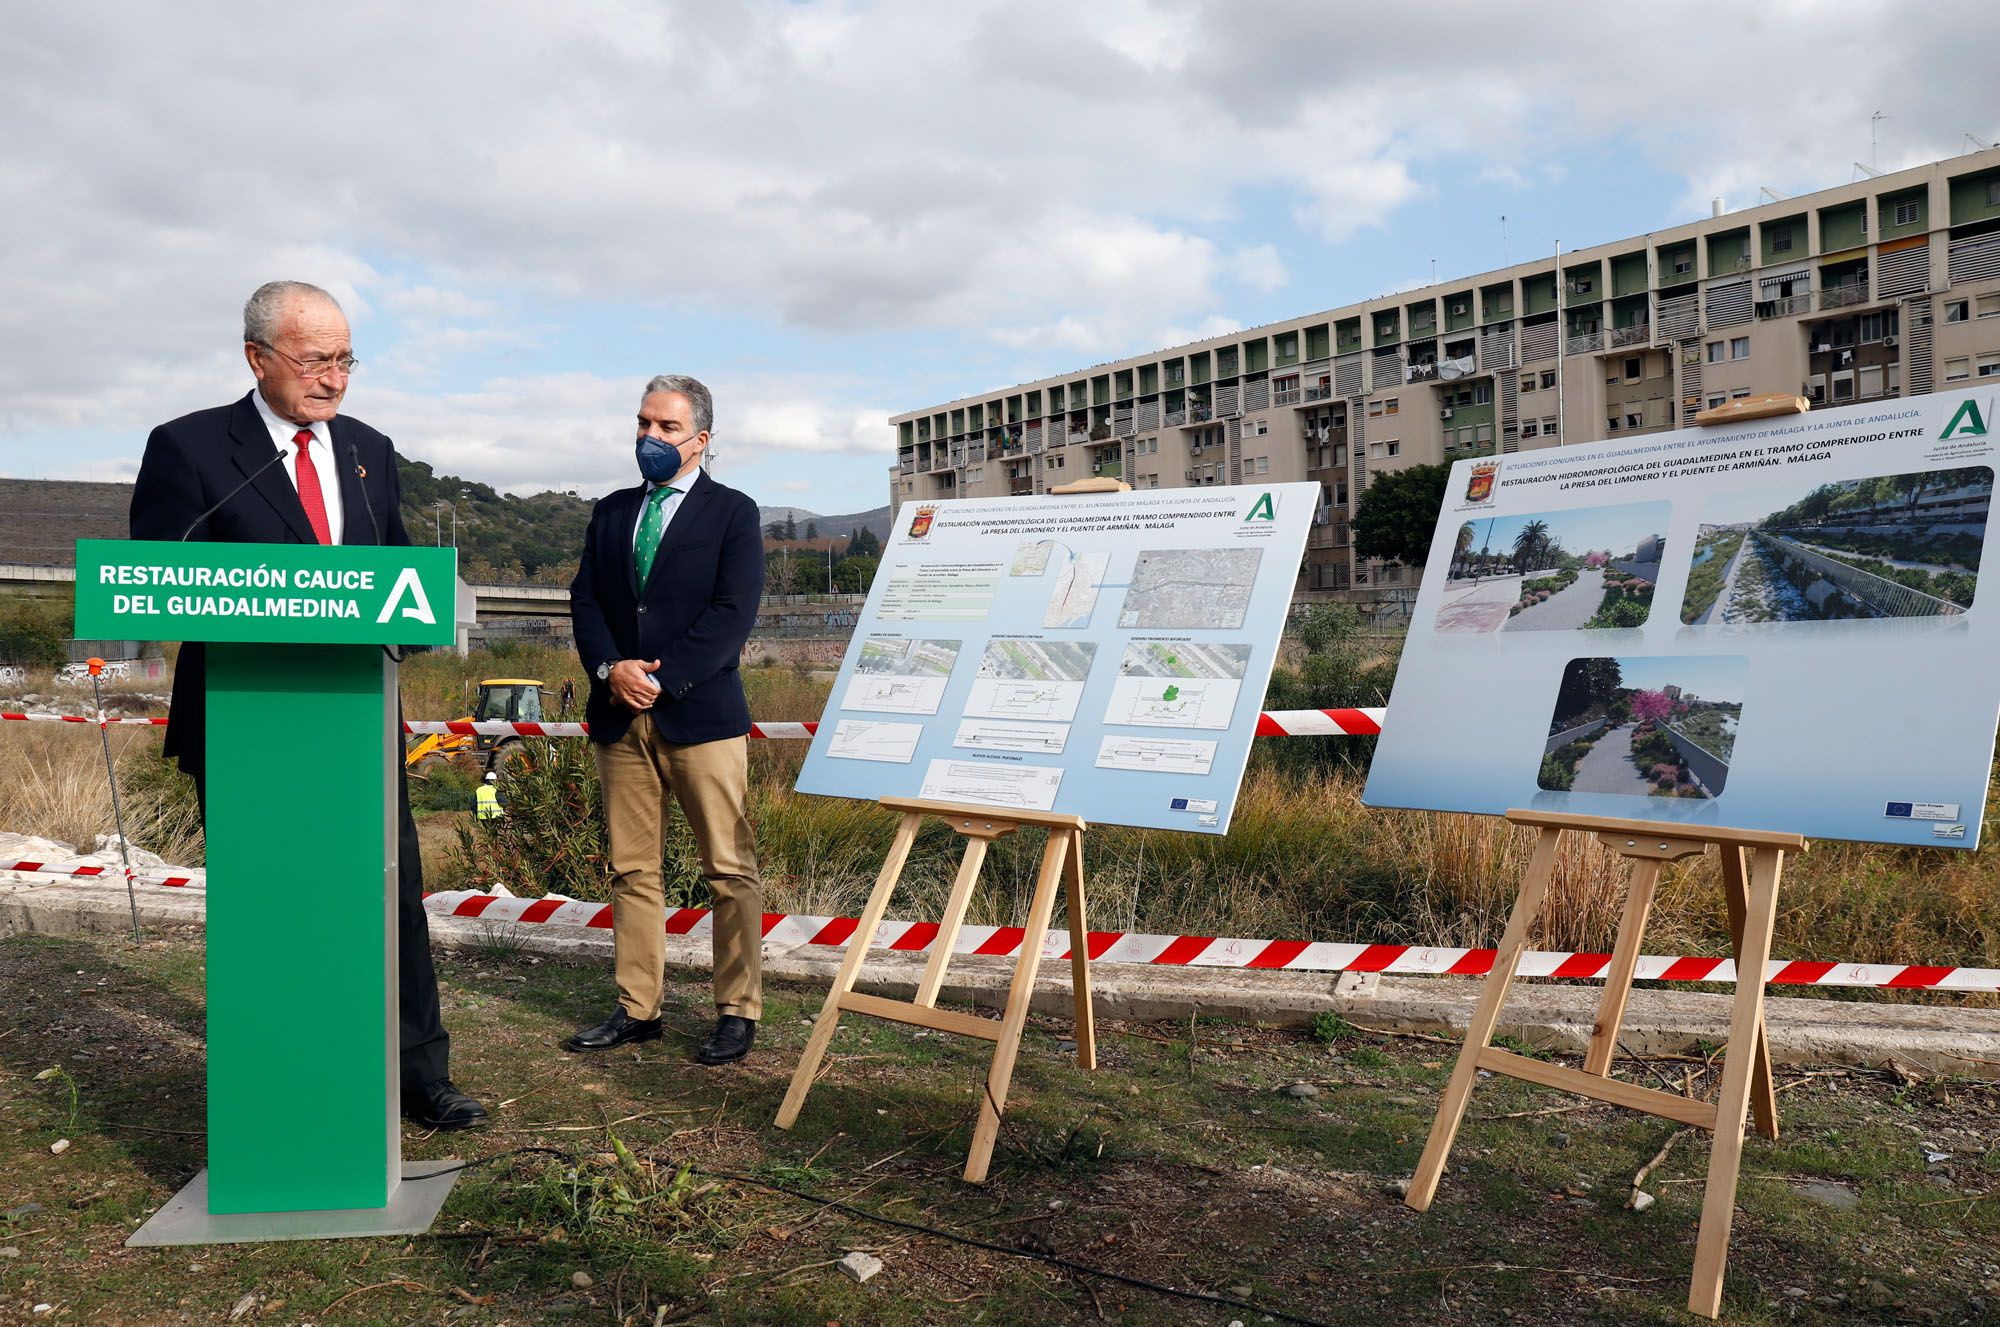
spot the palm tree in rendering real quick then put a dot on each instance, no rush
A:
(1529, 544)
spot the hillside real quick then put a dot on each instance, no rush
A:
(876, 522)
(500, 537)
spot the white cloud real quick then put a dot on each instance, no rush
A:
(1054, 178)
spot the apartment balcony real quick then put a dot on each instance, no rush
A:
(1423, 370)
(1081, 435)
(1106, 469)
(1638, 334)
(1173, 419)
(1319, 393)
(1201, 414)
(1789, 306)
(1289, 396)
(1842, 294)
(906, 466)
(1099, 432)
(1020, 487)
(1584, 343)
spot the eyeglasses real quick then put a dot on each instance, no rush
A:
(315, 368)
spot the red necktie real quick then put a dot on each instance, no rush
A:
(310, 495)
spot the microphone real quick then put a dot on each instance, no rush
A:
(361, 474)
(195, 524)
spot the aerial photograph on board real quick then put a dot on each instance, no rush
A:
(1662, 727)
(1179, 588)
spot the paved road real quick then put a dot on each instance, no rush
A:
(1609, 768)
(1481, 607)
(1567, 609)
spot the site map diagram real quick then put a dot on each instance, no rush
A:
(1183, 588)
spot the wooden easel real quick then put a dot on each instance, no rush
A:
(1752, 861)
(1062, 862)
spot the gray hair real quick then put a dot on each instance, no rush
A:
(697, 396)
(264, 311)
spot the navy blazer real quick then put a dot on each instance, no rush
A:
(694, 613)
(192, 462)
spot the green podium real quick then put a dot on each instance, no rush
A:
(303, 742)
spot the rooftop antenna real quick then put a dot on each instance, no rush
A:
(1874, 160)
(1862, 168)
(1506, 258)
(1434, 271)
(1979, 142)
(1771, 193)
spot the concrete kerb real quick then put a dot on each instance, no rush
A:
(1931, 1039)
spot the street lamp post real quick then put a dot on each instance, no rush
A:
(437, 522)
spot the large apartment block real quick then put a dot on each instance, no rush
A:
(1885, 287)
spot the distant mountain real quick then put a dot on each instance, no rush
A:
(830, 527)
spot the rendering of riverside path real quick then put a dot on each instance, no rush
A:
(1554, 571)
(1659, 727)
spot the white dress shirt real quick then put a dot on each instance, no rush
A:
(324, 462)
(682, 482)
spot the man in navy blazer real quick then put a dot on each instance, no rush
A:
(284, 466)
(664, 598)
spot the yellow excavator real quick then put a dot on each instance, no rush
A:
(506, 699)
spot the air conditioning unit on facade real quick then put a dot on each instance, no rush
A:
(1889, 341)
(1445, 413)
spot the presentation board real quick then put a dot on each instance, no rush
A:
(1102, 654)
(1773, 624)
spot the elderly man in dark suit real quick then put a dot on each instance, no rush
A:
(664, 598)
(218, 475)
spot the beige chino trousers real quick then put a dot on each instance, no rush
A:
(639, 773)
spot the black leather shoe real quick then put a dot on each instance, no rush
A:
(616, 1030)
(730, 1040)
(441, 1106)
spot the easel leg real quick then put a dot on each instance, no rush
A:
(1008, 1045)
(1763, 1091)
(850, 968)
(954, 915)
(1624, 959)
(1718, 1207)
(1485, 1017)
(1079, 956)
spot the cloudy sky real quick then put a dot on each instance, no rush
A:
(835, 211)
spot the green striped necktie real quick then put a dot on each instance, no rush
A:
(651, 526)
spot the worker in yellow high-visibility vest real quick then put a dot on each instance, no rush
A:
(488, 799)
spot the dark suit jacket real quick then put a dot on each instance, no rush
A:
(693, 614)
(191, 462)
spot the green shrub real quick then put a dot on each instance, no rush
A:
(1556, 777)
(442, 786)
(33, 632)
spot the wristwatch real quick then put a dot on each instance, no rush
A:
(604, 669)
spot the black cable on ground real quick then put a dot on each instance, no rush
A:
(1054, 1260)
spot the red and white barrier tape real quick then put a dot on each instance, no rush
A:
(80, 718)
(1271, 723)
(182, 880)
(1205, 951)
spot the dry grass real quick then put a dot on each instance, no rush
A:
(1303, 860)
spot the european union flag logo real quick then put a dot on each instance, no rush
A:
(1180, 804)
(1900, 809)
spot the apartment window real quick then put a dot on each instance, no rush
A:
(1580, 285)
(1843, 386)
(1993, 193)
(1530, 429)
(1715, 352)
(1634, 419)
(1254, 428)
(1906, 213)
(1875, 326)
(1483, 433)
(1781, 240)
(1739, 347)
(1739, 393)
(1263, 465)
(1871, 380)
(1382, 451)
(1482, 393)
(1152, 481)
(1548, 378)
(1957, 370)
(1527, 382)
(1957, 310)
(975, 474)
(1548, 426)
(1715, 402)
(1634, 367)
(1055, 461)
(1989, 366)
(1682, 266)
(1987, 306)
(1611, 424)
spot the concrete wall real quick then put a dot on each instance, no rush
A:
(1576, 734)
(1713, 771)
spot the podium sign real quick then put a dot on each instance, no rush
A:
(302, 747)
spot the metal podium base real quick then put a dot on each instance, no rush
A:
(186, 1219)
